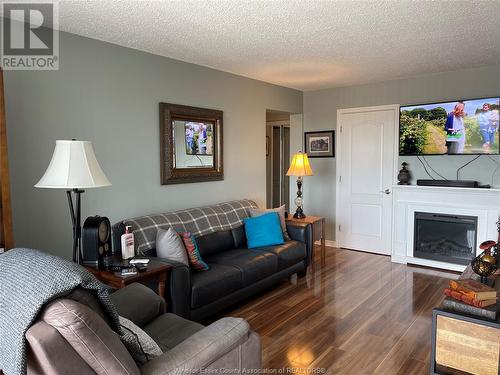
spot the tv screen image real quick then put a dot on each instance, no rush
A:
(453, 128)
(199, 138)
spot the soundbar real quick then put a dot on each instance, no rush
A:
(449, 183)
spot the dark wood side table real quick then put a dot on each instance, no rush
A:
(318, 232)
(157, 270)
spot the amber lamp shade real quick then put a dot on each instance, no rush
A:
(299, 167)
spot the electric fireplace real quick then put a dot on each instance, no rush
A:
(445, 238)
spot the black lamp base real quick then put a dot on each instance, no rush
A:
(299, 214)
(76, 219)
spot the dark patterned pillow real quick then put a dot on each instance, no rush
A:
(193, 253)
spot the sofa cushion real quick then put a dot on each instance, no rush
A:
(169, 245)
(263, 230)
(240, 237)
(290, 253)
(127, 299)
(90, 337)
(169, 330)
(254, 264)
(196, 262)
(214, 343)
(219, 281)
(216, 242)
(281, 213)
(50, 353)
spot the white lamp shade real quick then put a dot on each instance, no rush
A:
(73, 166)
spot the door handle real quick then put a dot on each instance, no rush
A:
(386, 191)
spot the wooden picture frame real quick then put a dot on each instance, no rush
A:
(170, 172)
(320, 144)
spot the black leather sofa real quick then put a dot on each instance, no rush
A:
(235, 273)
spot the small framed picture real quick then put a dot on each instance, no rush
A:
(320, 144)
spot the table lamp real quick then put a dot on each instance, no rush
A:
(299, 167)
(74, 167)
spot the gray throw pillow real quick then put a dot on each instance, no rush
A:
(281, 213)
(169, 245)
(146, 343)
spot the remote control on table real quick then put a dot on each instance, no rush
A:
(138, 261)
(129, 271)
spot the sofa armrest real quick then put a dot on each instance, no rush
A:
(201, 349)
(178, 293)
(302, 232)
(138, 303)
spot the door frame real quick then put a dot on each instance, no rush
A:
(282, 124)
(338, 162)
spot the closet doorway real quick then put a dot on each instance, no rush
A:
(277, 159)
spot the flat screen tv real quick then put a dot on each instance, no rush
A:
(463, 127)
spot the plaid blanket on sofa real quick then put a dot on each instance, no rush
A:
(198, 221)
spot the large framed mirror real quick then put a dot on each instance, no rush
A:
(190, 144)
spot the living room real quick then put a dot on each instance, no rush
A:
(341, 290)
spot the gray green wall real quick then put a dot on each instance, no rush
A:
(320, 113)
(109, 95)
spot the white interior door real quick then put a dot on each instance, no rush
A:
(366, 172)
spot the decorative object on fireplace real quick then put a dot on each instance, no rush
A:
(404, 175)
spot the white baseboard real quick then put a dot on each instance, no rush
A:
(328, 243)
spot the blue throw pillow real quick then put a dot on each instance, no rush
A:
(264, 230)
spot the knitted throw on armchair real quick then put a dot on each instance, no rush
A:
(28, 280)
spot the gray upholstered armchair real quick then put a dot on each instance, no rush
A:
(188, 347)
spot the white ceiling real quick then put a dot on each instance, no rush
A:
(304, 44)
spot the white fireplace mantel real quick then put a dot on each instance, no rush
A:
(482, 203)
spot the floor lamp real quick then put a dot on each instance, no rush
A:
(74, 167)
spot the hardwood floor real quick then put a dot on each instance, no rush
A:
(361, 314)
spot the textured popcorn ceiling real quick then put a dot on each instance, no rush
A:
(300, 44)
